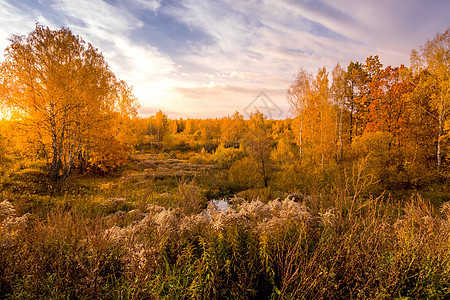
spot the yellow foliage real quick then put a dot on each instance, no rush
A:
(63, 93)
(243, 174)
(372, 142)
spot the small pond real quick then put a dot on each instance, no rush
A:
(216, 204)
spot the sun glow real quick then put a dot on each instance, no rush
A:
(5, 115)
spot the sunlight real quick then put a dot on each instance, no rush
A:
(5, 115)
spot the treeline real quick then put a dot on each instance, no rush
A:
(366, 108)
(390, 120)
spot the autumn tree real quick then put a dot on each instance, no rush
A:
(190, 126)
(112, 138)
(356, 80)
(173, 127)
(311, 103)
(298, 94)
(63, 90)
(422, 130)
(387, 111)
(141, 132)
(433, 61)
(232, 130)
(206, 128)
(371, 72)
(258, 144)
(324, 115)
(339, 91)
(160, 127)
(3, 146)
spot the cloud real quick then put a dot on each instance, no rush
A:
(201, 58)
(261, 44)
(150, 5)
(12, 21)
(316, 30)
(390, 28)
(258, 38)
(110, 28)
(97, 16)
(216, 18)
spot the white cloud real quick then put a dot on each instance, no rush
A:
(390, 28)
(150, 5)
(12, 21)
(323, 30)
(251, 46)
(97, 16)
(260, 39)
(109, 28)
(215, 18)
(261, 44)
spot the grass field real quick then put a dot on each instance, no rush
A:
(142, 233)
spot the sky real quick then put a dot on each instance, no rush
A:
(208, 59)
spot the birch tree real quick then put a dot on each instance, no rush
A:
(298, 94)
(433, 60)
(62, 88)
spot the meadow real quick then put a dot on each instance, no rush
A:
(143, 233)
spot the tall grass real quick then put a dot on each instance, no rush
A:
(345, 248)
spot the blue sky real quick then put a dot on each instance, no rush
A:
(199, 58)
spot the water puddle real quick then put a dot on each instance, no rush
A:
(219, 205)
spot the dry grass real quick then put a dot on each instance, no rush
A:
(351, 249)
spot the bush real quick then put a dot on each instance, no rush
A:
(225, 157)
(109, 155)
(243, 174)
(201, 159)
